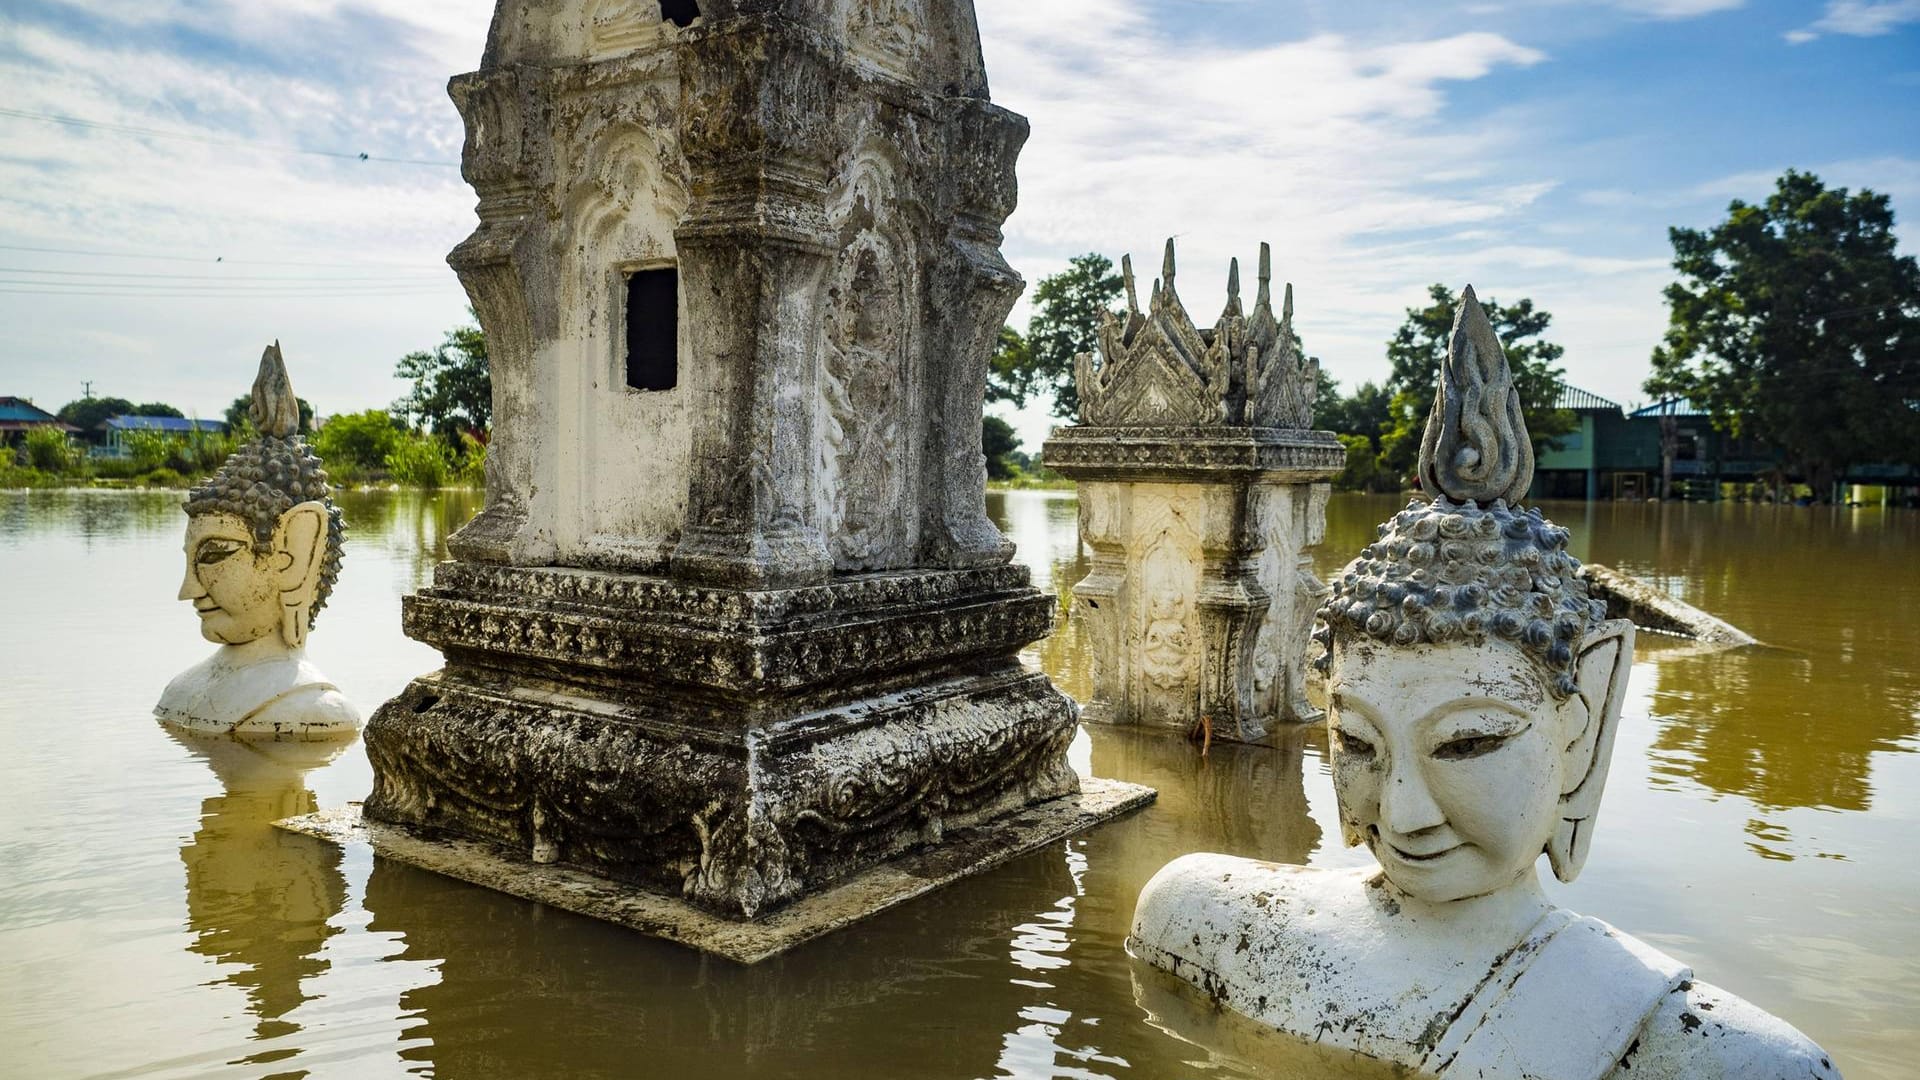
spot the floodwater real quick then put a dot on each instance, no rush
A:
(1759, 824)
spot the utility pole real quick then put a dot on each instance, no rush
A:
(86, 389)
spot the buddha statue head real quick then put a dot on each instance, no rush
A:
(1474, 686)
(263, 538)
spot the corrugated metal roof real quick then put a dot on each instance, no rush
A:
(1578, 400)
(172, 424)
(1669, 407)
(13, 408)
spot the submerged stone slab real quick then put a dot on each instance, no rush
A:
(1628, 597)
(963, 853)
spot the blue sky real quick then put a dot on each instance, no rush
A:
(1532, 148)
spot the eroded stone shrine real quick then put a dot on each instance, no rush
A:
(733, 627)
(1202, 490)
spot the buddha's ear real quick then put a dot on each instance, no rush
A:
(1592, 717)
(301, 535)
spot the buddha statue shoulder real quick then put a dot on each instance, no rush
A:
(1474, 689)
(263, 551)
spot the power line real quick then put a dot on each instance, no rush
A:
(316, 295)
(216, 140)
(418, 276)
(200, 259)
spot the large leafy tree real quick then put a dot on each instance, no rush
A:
(452, 388)
(1417, 349)
(1066, 322)
(1795, 322)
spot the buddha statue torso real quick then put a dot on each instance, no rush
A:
(1474, 689)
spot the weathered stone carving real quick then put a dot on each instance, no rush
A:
(263, 550)
(1191, 442)
(738, 630)
(1476, 688)
(1158, 368)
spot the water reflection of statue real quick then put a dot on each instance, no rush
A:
(259, 898)
(263, 551)
(1475, 690)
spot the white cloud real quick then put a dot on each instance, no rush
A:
(1678, 9)
(1349, 157)
(1859, 18)
(295, 76)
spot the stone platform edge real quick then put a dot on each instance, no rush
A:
(963, 853)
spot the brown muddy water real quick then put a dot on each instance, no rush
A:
(1759, 824)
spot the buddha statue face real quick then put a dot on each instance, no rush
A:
(243, 591)
(263, 536)
(1457, 765)
(1475, 685)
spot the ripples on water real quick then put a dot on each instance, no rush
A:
(152, 923)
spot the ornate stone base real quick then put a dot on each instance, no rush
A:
(1200, 600)
(733, 750)
(963, 852)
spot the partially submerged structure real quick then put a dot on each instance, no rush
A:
(1203, 490)
(731, 650)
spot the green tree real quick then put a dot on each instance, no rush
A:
(1368, 411)
(359, 442)
(157, 408)
(237, 416)
(1000, 443)
(1066, 322)
(88, 414)
(1797, 323)
(1417, 349)
(1010, 371)
(452, 388)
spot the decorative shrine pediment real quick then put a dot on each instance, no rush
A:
(1158, 368)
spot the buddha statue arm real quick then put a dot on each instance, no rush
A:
(1701, 1032)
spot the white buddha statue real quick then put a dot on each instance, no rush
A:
(263, 551)
(1474, 690)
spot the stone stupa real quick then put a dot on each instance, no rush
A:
(731, 650)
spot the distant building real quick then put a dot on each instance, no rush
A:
(1614, 454)
(119, 427)
(19, 416)
(1603, 457)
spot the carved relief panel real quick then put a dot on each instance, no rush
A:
(887, 34)
(867, 378)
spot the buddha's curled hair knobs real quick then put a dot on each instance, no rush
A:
(274, 472)
(1470, 566)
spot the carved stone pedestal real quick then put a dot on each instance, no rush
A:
(1201, 596)
(710, 746)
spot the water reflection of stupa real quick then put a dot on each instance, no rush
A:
(260, 900)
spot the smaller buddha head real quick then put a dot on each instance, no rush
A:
(264, 539)
(1474, 685)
